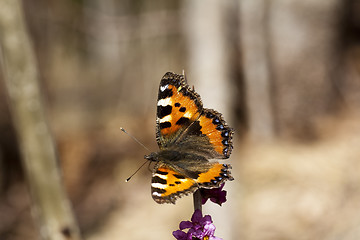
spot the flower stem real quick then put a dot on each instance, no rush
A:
(197, 200)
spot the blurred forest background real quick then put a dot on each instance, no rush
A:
(285, 74)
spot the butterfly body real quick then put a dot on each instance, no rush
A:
(188, 136)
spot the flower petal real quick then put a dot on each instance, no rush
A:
(207, 219)
(209, 229)
(198, 234)
(197, 216)
(185, 224)
(179, 235)
(216, 195)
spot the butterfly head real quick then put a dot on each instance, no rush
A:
(153, 157)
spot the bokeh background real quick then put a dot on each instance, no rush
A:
(285, 74)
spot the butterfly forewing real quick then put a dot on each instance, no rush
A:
(178, 107)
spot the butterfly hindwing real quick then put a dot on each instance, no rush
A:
(168, 185)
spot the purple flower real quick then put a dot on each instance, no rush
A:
(200, 228)
(216, 195)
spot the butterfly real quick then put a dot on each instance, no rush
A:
(188, 136)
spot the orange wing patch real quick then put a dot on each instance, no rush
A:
(219, 134)
(214, 135)
(215, 176)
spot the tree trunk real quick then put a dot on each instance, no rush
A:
(288, 51)
(257, 69)
(302, 44)
(50, 205)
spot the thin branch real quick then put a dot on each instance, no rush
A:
(197, 200)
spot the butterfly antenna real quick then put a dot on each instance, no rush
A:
(128, 179)
(122, 129)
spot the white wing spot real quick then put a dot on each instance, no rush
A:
(161, 176)
(164, 102)
(158, 185)
(156, 194)
(166, 119)
(163, 88)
